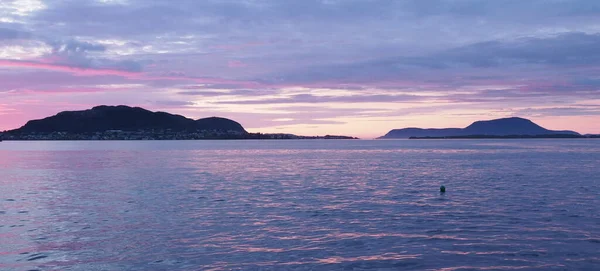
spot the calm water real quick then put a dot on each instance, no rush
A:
(300, 205)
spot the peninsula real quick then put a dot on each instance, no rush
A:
(498, 128)
(135, 123)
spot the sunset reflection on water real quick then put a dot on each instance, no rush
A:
(274, 205)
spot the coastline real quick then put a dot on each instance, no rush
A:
(556, 136)
(157, 135)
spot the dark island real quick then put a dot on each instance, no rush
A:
(135, 123)
(502, 137)
(505, 128)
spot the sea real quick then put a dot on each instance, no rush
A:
(513, 204)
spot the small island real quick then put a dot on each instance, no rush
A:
(504, 128)
(504, 137)
(135, 123)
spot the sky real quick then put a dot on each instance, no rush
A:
(308, 67)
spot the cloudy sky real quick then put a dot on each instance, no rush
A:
(312, 67)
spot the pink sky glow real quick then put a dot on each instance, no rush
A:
(279, 71)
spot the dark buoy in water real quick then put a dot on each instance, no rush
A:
(442, 189)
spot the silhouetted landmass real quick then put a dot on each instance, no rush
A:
(498, 127)
(124, 118)
(135, 123)
(503, 137)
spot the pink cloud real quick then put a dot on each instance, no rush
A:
(236, 64)
(71, 90)
(64, 68)
(127, 74)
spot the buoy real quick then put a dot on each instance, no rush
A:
(442, 189)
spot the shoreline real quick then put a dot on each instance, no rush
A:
(509, 137)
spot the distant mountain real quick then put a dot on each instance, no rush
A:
(219, 124)
(135, 123)
(497, 127)
(105, 118)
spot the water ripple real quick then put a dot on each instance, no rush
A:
(300, 205)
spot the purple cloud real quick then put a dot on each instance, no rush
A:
(489, 57)
(309, 98)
